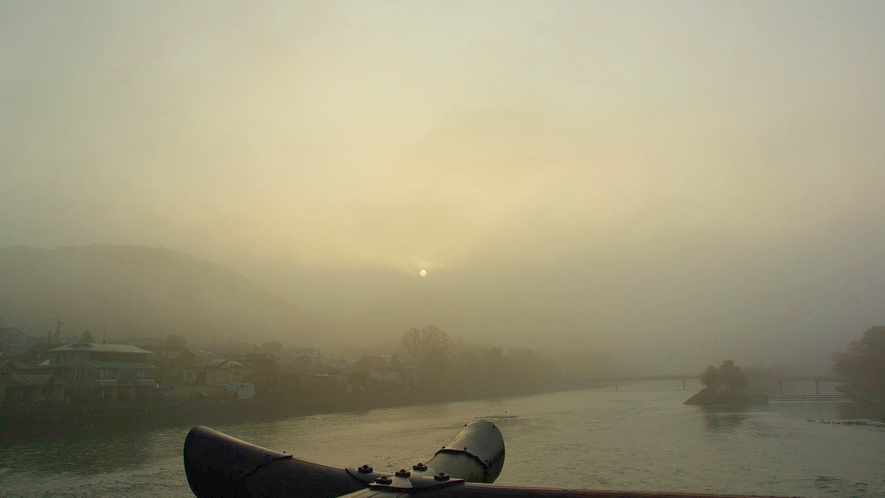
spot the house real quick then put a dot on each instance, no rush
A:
(310, 361)
(216, 378)
(11, 365)
(21, 382)
(13, 341)
(171, 364)
(369, 364)
(104, 371)
(214, 373)
(386, 377)
(372, 372)
(261, 369)
(35, 388)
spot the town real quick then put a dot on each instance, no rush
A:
(71, 379)
(82, 370)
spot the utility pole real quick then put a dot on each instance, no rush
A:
(58, 324)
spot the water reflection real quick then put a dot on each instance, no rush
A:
(721, 420)
(856, 411)
(588, 439)
(95, 451)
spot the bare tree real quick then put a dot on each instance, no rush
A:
(419, 346)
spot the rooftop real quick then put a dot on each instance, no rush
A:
(121, 364)
(106, 348)
(374, 361)
(33, 380)
(258, 356)
(10, 330)
(171, 355)
(16, 363)
(220, 364)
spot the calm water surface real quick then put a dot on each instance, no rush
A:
(639, 437)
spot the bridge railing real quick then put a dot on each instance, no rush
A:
(218, 465)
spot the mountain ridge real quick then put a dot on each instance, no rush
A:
(138, 291)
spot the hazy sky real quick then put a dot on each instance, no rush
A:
(645, 175)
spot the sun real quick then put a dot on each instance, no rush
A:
(423, 273)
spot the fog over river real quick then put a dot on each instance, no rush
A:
(638, 437)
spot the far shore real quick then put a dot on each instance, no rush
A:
(58, 421)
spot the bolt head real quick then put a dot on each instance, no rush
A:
(365, 469)
(419, 466)
(403, 473)
(442, 476)
(384, 480)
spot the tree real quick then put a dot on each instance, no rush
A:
(710, 377)
(429, 343)
(728, 377)
(731, 376)
(863, 361)
(175, 341)
(86, 337)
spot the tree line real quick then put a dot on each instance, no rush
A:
(862, 363)
(472, 366)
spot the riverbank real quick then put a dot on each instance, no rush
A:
(48, 421)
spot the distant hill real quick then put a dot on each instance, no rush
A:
(138, 292)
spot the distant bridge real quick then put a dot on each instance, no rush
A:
(779, 383)
(808, 397)
(772, 382)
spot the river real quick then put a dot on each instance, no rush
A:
(638, 437)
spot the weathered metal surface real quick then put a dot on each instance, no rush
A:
(402, 480)
(475, 455)
(218, 465)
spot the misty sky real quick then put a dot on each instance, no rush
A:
(650, 177)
